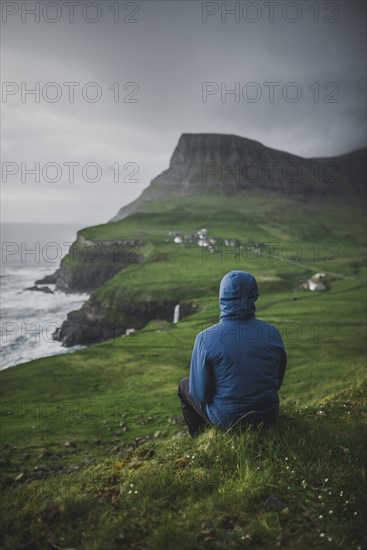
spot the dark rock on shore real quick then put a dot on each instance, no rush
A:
(47, 280)
(45, 289)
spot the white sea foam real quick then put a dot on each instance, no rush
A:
(28, 318)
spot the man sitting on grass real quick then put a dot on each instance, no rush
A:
(237, 365)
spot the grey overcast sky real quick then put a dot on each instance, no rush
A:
(313, 52)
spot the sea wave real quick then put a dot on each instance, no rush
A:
(29, 317)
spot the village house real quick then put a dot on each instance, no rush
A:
(315, 283)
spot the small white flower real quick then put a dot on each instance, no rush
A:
(326, 479)
(355, 514)
(331, 512)
(130, 492)
(292, 471)
(131, 485)
(329, 493)
(321, 516)
(341, 493)
(322, 535)
(286, 458)
(329, 539)
(135, 492)
(347, 502)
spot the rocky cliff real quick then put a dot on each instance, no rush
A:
(93, 322)
(227, 163)
(90, 264)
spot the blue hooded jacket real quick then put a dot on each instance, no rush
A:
(238, 365)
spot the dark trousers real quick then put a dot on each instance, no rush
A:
(193, 411)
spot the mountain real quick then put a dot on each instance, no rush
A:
(222, 163)
(135, 272)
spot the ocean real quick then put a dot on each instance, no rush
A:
(28, 318)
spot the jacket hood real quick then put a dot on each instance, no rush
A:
(238, 293)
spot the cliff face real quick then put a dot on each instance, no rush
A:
(90, 264)
(93, 322)
(87, 267)
(228, 163)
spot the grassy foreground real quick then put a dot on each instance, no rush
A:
(297, 485)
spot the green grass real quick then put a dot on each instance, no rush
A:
(211, 492)
(103, 397)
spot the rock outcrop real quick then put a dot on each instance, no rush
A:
(92, 324)
(36, 288)
(90, 264)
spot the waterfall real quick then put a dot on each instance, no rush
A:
(176, 314)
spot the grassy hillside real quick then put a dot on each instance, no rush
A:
(298, 485)
(298, 239)
(79, 429)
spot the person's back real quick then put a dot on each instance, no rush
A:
(238, 364)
